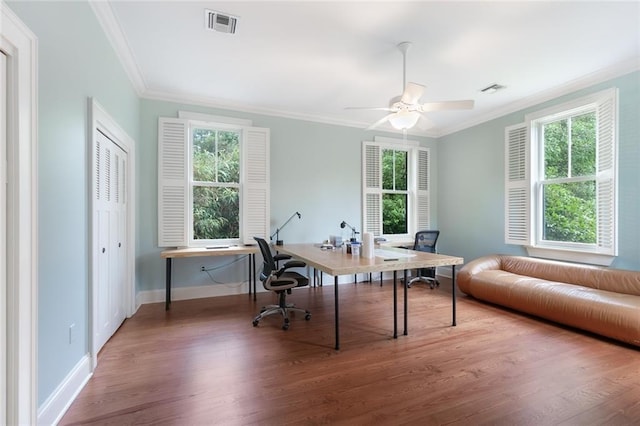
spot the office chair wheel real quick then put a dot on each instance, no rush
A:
(255, 323)
(307, 316)
(285, 326)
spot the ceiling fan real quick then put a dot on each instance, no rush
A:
(405, 110)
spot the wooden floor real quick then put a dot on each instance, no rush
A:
(204, 363)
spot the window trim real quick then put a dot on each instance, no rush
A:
(174, 189)
(603, 102)
(408, 192)
(196, 124)
(415, 196)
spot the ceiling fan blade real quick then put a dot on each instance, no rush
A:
(372, 108)
(381, 121)
(445, 105)
(412, 93)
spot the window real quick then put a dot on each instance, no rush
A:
(561, 187)
(567, 183)
(395, 189)
(213, 183)
(395, 192)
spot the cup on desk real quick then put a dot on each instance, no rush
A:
(355, 249)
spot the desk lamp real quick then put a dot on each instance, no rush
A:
(279, 242)
(353, 230)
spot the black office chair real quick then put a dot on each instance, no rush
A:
(426, 241)
(280, 281)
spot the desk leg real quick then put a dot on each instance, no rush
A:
(453, 293)
(249, 262)
(395, 304)
(253, 276)
(167, 297)
(335, 285)
(406, 304)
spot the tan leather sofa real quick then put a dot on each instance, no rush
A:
(601, 300)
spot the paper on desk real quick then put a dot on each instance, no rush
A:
(388, 254)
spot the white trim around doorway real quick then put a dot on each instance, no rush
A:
(21, 47)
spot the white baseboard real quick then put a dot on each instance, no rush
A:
(197, 292)
(57, 404)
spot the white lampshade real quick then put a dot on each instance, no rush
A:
(404, 119)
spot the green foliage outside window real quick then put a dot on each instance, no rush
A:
(216, 177)
(394, 197)
(570, 207)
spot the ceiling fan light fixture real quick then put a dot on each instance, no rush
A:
(403, 120)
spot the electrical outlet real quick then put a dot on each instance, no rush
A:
(72, 334)
(202, 268)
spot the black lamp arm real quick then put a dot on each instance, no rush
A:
(275, 234)
(353, 230)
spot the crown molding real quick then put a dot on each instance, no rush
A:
(208, 102)
(115, 35)
(583, 82)
(111, 27)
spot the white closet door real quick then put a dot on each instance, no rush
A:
(111, 227)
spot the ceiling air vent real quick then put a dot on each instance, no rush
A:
(218, 21)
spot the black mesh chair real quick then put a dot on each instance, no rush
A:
(426, 241)
(280, 281)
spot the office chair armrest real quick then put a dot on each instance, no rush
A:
(290, 264)
(281, 256)
(293, 264)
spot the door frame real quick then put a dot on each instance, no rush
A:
(100, 120)
(20, 46)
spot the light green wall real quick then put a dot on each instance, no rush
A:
(471, 181)
(315, 169)
(75, 62)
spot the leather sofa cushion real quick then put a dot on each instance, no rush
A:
(553, 290)
(615, 280)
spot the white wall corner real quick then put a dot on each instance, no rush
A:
(57, 404)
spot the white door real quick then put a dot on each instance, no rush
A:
(3, 237)
(110, 213)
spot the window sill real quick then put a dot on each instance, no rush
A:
(570, 255)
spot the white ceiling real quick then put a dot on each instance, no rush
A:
(310, 60)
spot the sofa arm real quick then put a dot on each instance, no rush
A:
(484, 263)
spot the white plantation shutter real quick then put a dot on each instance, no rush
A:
(174, 210)
(172, 182)
(423, 190)
(606, 191)
(372, 188)
(255, 185)
(517, 186)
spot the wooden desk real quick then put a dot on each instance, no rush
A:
(335, 263)
(204, 252)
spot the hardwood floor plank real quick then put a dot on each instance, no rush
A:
(204, 363)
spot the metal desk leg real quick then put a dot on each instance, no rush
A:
(335, 285)
(249, 262)
(406, 305)
(453, 293)
(395, 304)
(167, 297)
(253, 276)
